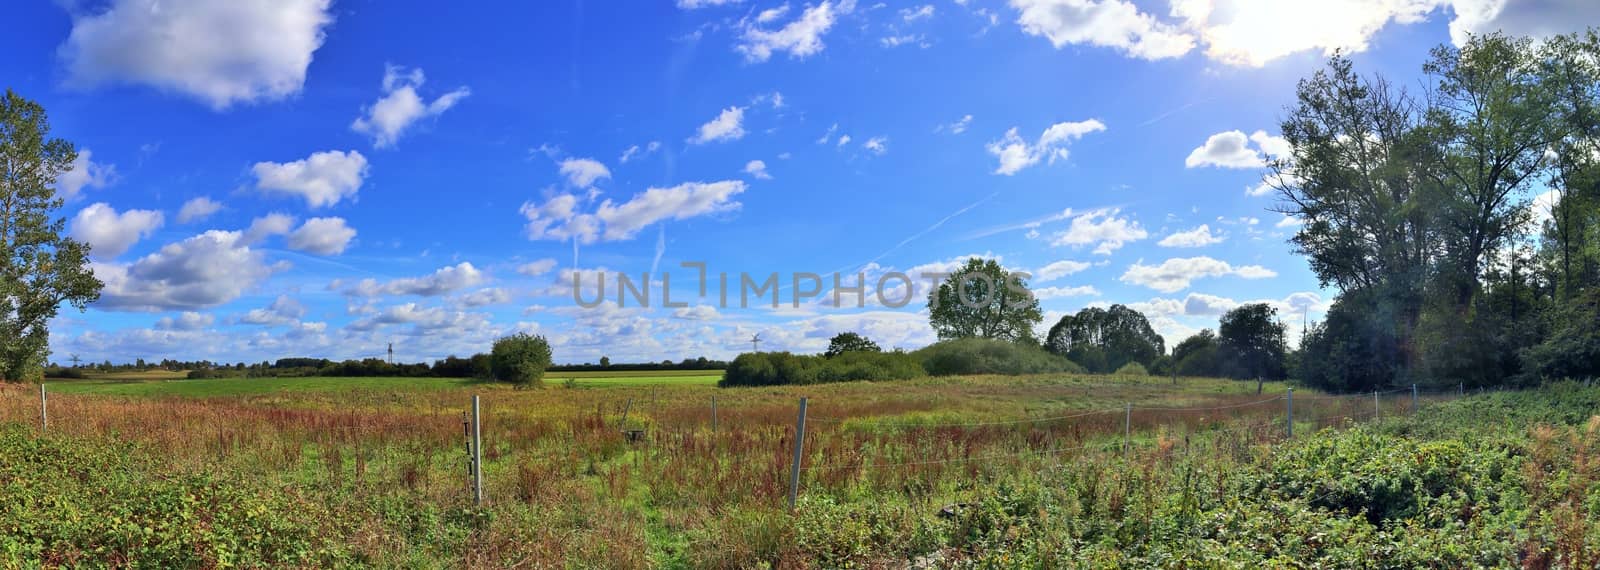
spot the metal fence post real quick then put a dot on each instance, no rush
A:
(44, 411)
(799, 452)
(713, 414)
(1291, 412)
(1413, 399)
(1376, 409)
(477, 453)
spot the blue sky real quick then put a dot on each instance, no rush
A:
(264, 178)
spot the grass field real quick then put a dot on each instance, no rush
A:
(989, 472)
(176, 384)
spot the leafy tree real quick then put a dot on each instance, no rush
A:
(984, 300)
(605, 362)
(520, 358)
(1197, 355)
(1250, 342)
(850, 342)
(40, 267)
(1103, 340)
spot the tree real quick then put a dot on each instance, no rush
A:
(40, 267)
(1197, 355)
(1103, 340)
(1250, 343)
(605, 362)
(520, 358)
(850, 342)
(984, 300)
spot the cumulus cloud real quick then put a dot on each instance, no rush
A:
(537, 267)
(1231, 149)
(1198, 237)
(558, 218)
(400, 106)
(200, 272)
(1059, 269)
(84, 173)
(801, 37)
(219, 52)
(1103, 229)
(1115, 24)
(1015, 154)
(186, 321)
(198, 209)
(757, 169)
(323, 179)
(284, 310)
(445, 280)
(261, 228)
(878, 145)
(1177, 273)
(727, 126)
(322, 236)
(484, 298)
(108, 233)
(1046, 293)
(584, 172)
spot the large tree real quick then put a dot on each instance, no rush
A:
(984, 300)
(1103, 340)
(40, 268)
(1250, 343)
(850, 342)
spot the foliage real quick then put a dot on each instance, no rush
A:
(1102, 340)
(520, 359)
(850, 342)
(1573, 350)
(773, 368)
(1250, 343)
(40, 268)
(1197, 355)
(983, 300)
(986, 356)
(1132, 369)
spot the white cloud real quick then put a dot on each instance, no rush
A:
(219, 52)
(1538, 19)
(957, 127)
(261, 228)
(1044, 293)
(1230, 149)
(484, 298)
(1059, 269)
(203, 271)
(1107, 23)
(446, 280)
(1016, 154)
(108, 233)
(186, 321)
(636, 151)
(1288, 222)
(323, 179)
(772, 14)
(920, 13)
(400, 106)
(283, 311)
(727, 126)
(1198, 237)
(584, 172)
(801, 37)
(322, 236)
(757, 169)
(198, 209)
(537, 267)
(1101, 228)
(878, 145)
(558, 219)
(1175, 274)
(84, 173)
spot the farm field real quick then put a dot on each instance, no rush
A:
(976, 471)
(150, 384)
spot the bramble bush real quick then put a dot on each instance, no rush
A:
(969, 356)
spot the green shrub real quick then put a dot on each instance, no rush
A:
(1132, 369)
(987, 356)
(771, 368)
(67, 373)
(520, 358)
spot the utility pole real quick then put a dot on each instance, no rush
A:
(755, 343)
(391, 353)
(75, 360)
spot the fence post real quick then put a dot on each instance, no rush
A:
(799, 452)
(1413, 399)
(1291, 412)
(713, 414)
(1376, 409)
(621, 425)
(44, 411)
(477, 453)
(1461, 390)
(1127, 428)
